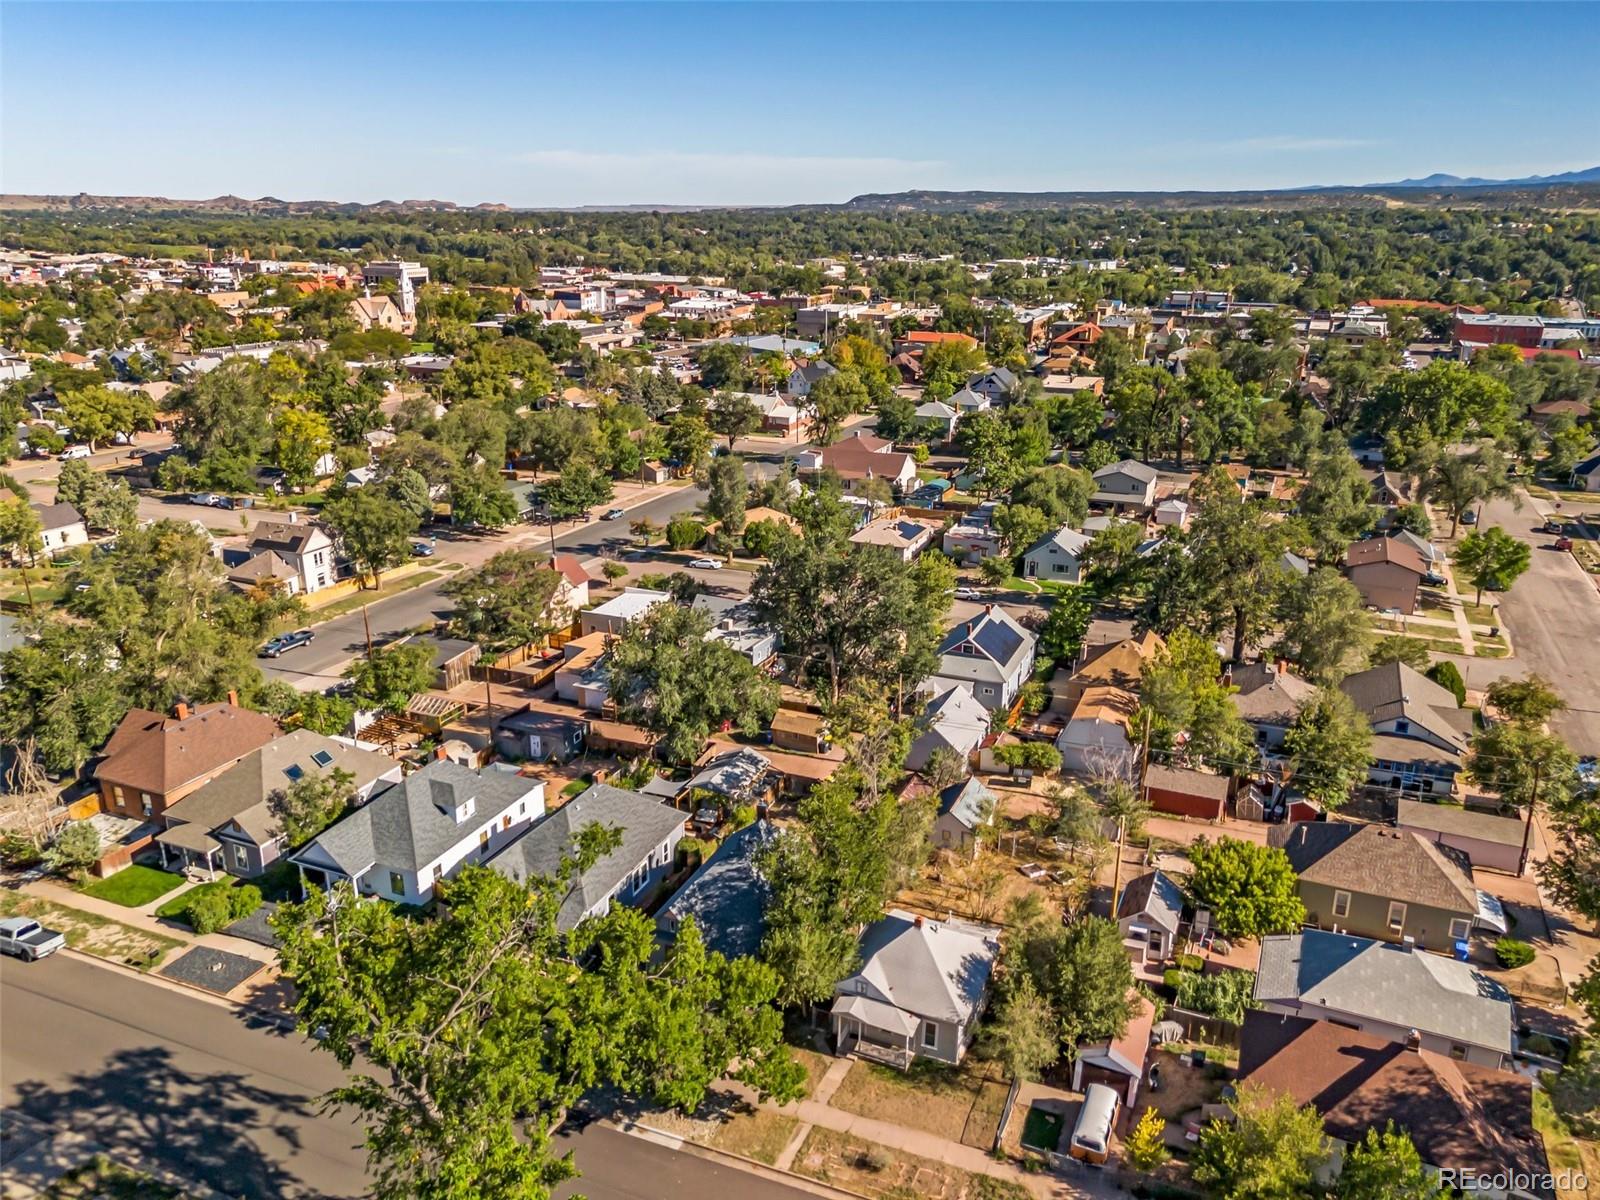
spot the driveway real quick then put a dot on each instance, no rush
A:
(1553, 615)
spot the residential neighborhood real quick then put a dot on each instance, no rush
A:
(976, 694)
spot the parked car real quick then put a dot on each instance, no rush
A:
(210, 500)
(1470, 517)
(613, 514)
(285, 642)
(1554, 525)
(704, 564)
(1563, 543)
(421, 550)
(1433, 579)
(966, 593)
(72, 452)
(23, 937)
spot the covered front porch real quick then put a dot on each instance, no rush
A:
(874, 1030)
(193, 850)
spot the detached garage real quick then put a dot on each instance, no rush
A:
(1186, 793)
(1488, 840)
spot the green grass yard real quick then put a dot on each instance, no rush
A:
(133, 887)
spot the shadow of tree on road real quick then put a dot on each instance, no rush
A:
(203, 1126)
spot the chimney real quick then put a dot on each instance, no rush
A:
(1283, 666)
(181, 710)
(1414, 1042)
(438, 753)
(233, 698)
(917, 920)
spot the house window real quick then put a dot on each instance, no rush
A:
(438, 872)
(397, 883)
(483, 839)
(1402, 726)
(988, 691)
(1397, 916)
(144, 803)
(860, 986)
(1458, 1052)
(639, 878)
(122, 800)
(241, 858)
(323, 759)
(1341, 904)
(930, 1034)
(1460, 927)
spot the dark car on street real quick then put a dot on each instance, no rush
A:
(285, 642)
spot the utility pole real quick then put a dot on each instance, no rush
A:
(1527, 829)
(367, 625)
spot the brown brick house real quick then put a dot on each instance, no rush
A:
(153, 760)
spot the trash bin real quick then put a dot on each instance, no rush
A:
(1461, 949)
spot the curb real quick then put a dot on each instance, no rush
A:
(283, 1022)
(739, 1162)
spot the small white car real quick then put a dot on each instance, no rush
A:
(704, 564)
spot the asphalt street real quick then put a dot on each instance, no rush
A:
(1553, 615)
(220, 1099)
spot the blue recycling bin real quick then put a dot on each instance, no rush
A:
(1461, 950)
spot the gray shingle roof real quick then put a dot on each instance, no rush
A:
(1448, 819)
(1130, 467)
(1373, 860)
(405, 827)
(966, 802)
(1153, 894)
(1394, 690)
(645, 824)
(1268, 696)
(1410, 988)
(727, 896)
(1001, 641)
(936, 969)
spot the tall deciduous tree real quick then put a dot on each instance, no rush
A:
(1330, 746)
(1249, 888)
(1385, 1165)
(1336, 502)
(374, 530)
(1324, 625)
(391, 676)
(1271, 1150)
(1492, 559)
(508, 602)
(727, 490)
(477, 1030)
(667, 676)
(1235, 549)
(1023, 1037)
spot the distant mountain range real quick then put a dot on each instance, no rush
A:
(1568, 189)
(1440, 180)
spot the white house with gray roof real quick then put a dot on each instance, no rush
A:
(953, 720)
(1056, 556)
(963, 810)
(991, 656)
(1388, 990)
(423, 829)
(1126, 484)
(920, 989)
(629, 874)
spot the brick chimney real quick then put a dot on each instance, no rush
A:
(181, 710)
(1414, 1042)
(233, 698)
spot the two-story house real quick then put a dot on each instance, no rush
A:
(630, 874)
(919, 991)
(1387, 572)
(152, 760)
(299, 553)
(1128, 484)
(1379, 882)
(990, 655)
(1391, 991)
(407, 838)
(994, 385)
(229, 822)
(1420, 734)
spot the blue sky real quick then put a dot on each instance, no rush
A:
(759, 103)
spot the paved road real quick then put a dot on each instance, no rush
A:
(320, 664)
(217, 1099)
(1553, 615)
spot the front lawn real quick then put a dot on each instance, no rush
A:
(133, 887)
(90, 932)
(960, 1104)
(1041, 1130)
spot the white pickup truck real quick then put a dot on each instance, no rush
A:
(26, 938)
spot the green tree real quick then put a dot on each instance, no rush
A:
(574, 492)
(390, 676)
(1271, 1150)
(1336, 503)
(1448, 676)
(306, 806)
(1061, 635)
(1400, 648)
(1248, 888)
(1324, 625)
(64, 691)
(479, 498)
(508, 602)
(1226, 995)
(832, 400)
(727, 491)
(732, 415)
(689, 440)
(98, 414)
(1023, 1037)
(667, 676)
(1330, 747)
(300, 440)
(685, 533)
(1456, 482)
(1146, 1146)
(225, 428)
(1089, 983)
(1492, 559)
(1385, 1165)
(1530, 701)
(1182, 698)
(372, 529)
(1234, 549)
(479, 1029)
(75, 848)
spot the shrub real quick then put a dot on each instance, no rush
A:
(1449, 678)
(75, 849)
(685, 533)
(1190, 962)
(1512, 953)
(1173, 977)
(1225, 995)
(1040, 756)
(209, 911)
(243, 900)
